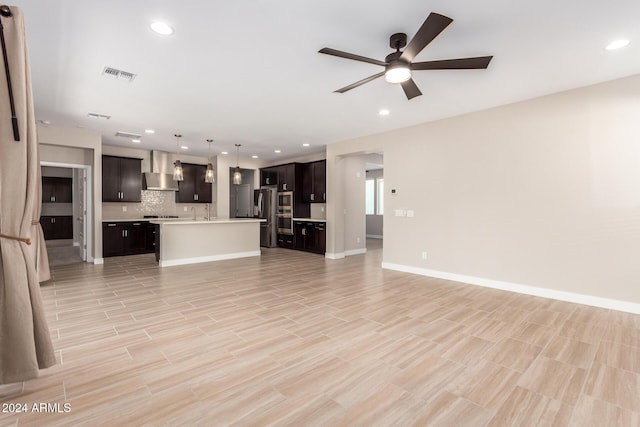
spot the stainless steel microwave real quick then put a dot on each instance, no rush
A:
(285, 202)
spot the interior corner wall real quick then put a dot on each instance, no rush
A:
(543, 193)
(354, 205)
(78, 146)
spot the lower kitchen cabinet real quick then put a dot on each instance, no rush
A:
(57, 227)
(285, 240)
(127, 238)
(310, 236)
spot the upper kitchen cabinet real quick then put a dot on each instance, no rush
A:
(56, 190)
(314, 182)
(193, 189)
(290, 177)
(121, 179)
(269, 176)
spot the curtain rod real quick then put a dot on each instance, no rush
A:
(5, 11)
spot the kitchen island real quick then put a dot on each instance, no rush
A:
(187, 241)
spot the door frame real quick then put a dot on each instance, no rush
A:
(87, 232)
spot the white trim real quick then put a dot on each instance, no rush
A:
(355, 252)
(374, 236)
(97, 261)
(331, 255)
(595, 301)
(209, 258)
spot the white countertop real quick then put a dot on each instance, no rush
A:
(183, 221)
(310, 219)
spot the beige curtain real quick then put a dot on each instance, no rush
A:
(25, 344)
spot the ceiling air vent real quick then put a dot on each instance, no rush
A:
(128, 135)
(98, 116)
(118, 74)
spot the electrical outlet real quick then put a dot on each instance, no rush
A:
(410, 213)
(321, 208)
(357, 240)
(185, 208)
(424, 255)
(124, 209)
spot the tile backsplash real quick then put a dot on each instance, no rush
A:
(155, 203)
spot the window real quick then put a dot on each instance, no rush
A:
(369, 196)
(374, 196)
(380, 196)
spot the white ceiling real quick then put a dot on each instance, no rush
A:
(249, 72)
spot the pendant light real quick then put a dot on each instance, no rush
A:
(209, 176)
(177, 166)
(237, 175)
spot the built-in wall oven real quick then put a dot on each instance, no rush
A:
(284, 215)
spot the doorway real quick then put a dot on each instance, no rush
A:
(374, 200)
(71, 238)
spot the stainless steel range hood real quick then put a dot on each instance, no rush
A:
(159, 178)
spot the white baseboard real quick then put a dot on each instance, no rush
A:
(613, 304)
(98, 260)
(355, 252)
(374, 236)
(331, 255)
(183, 261)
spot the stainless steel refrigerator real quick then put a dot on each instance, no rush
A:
(264, 206)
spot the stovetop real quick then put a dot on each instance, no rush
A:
(161, 216)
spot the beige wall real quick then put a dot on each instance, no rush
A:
(543, 193)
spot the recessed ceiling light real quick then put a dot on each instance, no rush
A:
(276, 151)
(306, 144)
(617, 44)
(224, 152)
(161, 28)
(184, 147)
(137, 141)
(254, 157)
(149, 131)
(384, 112)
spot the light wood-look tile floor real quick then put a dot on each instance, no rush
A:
(290, 338)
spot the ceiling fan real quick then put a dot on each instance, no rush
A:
(398, 65)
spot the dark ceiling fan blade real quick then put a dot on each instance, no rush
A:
(432, 26)
(410, 89)
(341, 54)
(479, 62)
(359, 83)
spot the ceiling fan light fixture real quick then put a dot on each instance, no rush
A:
(397, 73)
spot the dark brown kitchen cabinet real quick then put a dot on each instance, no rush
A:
(57, 227)
(287, 176)
(269, 176)
(285, 240)
(56, 190)
(125, 238)
(121, 179)
(193, 189)
(314, 182)
(309, 236)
